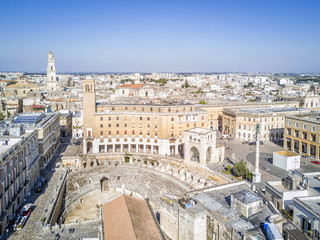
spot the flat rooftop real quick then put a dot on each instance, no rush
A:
(246, 196)
(287, 153)
(200, 130)
(313, 203)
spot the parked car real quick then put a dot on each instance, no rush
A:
(26, 210)
(315, 162)
(252, 143)
(224, 136)
(231, 139)
(245, 142)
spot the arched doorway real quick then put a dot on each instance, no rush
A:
(195, 156)
(208, 155)
(89, 146)
(105, 184)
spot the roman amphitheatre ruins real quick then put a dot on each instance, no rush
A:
(94, 179)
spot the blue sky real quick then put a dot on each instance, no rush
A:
(161, 36)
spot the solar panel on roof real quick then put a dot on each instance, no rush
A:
(26, 119)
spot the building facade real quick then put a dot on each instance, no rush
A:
(157, 129)
(306, 215)
(302, 134)
(241, 123)
(19, 170)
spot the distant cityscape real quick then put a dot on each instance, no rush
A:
(159, 155)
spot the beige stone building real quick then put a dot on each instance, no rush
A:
(157, 129)
(20, 89)
(19, 170)
(241, 123)
(302, 134)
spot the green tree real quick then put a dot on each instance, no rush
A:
(202, 102)
(240, 169)
(1, 116)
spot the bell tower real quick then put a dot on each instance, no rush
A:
(51, 74)
(89, 110)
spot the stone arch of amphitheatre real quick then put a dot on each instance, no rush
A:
(160, 179)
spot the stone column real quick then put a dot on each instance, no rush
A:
(256, 174)
(129, 147)
(300, 147)
(84, 145)
(203, 149)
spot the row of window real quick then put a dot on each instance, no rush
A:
(304, 126)
(134, 132)
(261, 119)
(265, 127)
(304, 135)
(148, 118)
(148, 126)
(156, 109)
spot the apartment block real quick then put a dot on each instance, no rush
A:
(19, 169)
(241, 123)
(302, 134)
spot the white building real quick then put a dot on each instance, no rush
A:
(286, 160)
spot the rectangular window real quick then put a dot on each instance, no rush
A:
(117, 124)
(305, 135)
(117, 132)
(101, 118)
(132, 132)
(109, 132)
(125, 125)
(313, 128)
(101, 133)
(101, 125)
(297, 133)
(140, 118)
(304, 126)
(109, 125)
(126, 108)
(313, 137)
(297, 125)
(148, 118)
(109, 118)
(289, 131)
(125, 132)
(172, 119)
(117, 118)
